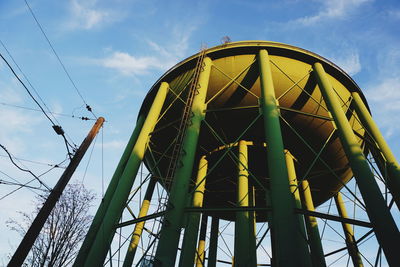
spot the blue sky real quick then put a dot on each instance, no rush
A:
(115, 50)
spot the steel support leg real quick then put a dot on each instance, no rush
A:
(348, 232)
(284, 222)
(137, 232)
(213, 248)
(170, 231)
(385, 228)
(242, 224)
(294, 189)
(190, 238)
(317, 252)
(393, 168)
(201, 253)
(105, 202)
(104, 235)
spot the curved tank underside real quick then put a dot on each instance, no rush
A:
(232, 114)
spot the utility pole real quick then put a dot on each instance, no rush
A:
(37, 225)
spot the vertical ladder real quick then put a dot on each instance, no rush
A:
(186, 116)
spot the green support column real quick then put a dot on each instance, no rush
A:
(242, 223)
(305, 254)
(190, 237)
(98, 218)
(284, 223)
(98, 251)
(317, 252)
(170, 231)
(137, 232)
(348, 232)
(213, 248)
(201, 253)
(385, 228)
(392, 165)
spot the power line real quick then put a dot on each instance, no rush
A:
(83, 118)
(37, 162)
(26, 78)
(16, 189)
(33, 88)
(20, 185)
(59, 59)
(57, 128)
(26, 185)
(22, 169)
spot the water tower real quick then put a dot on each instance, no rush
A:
(249, 132)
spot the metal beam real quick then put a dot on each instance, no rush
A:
(305, 254)
(348, 232)
(317, 252)
(242, 226)
(201, 253)
(170, 231)
(284, 223)
(105, 202)
(105, 233)
(192, 228)
(213, 247)
(137, 232)
(385, 227)
(296, 210)
(393, 168)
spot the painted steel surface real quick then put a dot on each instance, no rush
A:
(233, 96)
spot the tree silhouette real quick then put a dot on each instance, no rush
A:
(66, 227)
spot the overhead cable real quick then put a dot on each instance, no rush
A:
(83, 118)
(67, 144)
(22, 169)
(59, 59)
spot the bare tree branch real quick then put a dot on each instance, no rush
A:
(64, 230)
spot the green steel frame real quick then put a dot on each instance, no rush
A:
(349, 233)
(170, 232)
(191, 231)
(96, 253)
(285, 226)
(385, 228)
(291, 244)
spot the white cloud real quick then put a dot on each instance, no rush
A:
(331, 9)
(395, 14)
(113, 144)
(85, 15)
(165, 56)
(128, 64)
(349, 62)
(384, 100)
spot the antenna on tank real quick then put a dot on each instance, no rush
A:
(226, 39)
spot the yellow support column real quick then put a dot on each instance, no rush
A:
(201, 254)
(242, 226)
(294, 188)
(348, 232)
(137, 232)
(317, 252)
